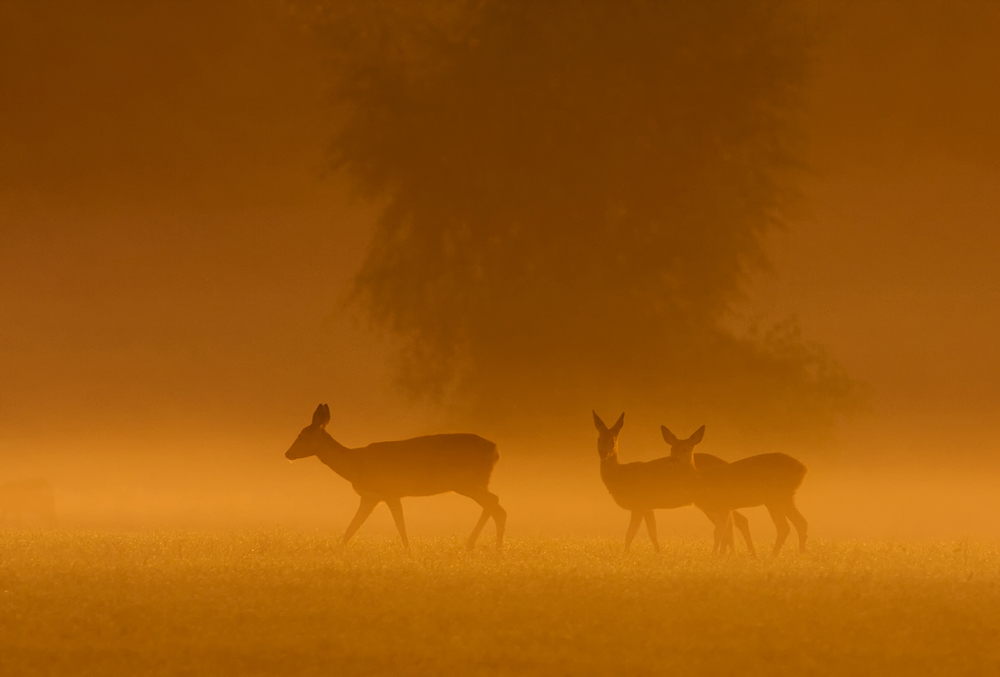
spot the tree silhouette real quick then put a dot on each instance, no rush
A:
(576, 193)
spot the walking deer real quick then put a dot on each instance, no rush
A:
(642, 486)
(770, 480)
(422, 466)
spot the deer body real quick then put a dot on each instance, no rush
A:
(646, 485)
(422, 466)
(663, 483)
(770, 480)
(749, 482)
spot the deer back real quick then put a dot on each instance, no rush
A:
(424, 466)
(749, 482)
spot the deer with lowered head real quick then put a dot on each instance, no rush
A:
(422, 466)
(642, 486)
(770, 480)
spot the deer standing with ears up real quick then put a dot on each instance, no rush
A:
(642, 486)
(770, 480)
(422, 466)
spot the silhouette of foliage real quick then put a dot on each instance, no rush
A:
(576, 193)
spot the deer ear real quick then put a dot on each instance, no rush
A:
(668, 436)
(617, 427)
(698, 434)
(598, 423)
(326, 415)
(318, 415)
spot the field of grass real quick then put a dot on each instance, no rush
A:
(286, 603)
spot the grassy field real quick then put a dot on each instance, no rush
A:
(286, 603)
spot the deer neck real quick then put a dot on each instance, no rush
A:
(337, 457)
(684, 458)
(609, 467)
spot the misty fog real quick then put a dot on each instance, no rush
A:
(181, 239)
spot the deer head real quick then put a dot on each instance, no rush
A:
(607, 438)
(682, 449)
(312, 437)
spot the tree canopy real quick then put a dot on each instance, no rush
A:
(576, 194)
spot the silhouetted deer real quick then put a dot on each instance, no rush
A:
(642, 486)
(31, 498)
(422, 466)
(766, 479)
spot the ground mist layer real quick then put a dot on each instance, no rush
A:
(275, 602)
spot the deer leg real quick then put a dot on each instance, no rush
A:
(633, 526)
(724, 532)
(500, 519)
(396, 508)
(651, 528)
(743, 524)
(781, 524)
(728, 541)
(730, 537)
(364, 510)
(491, 508)
(714, 517)
(801, 526)
(476, 529)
